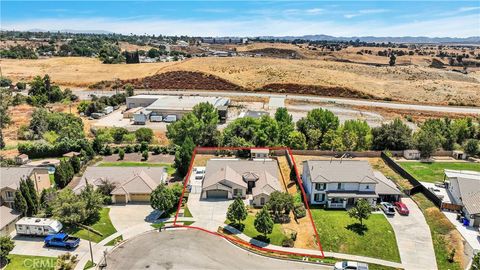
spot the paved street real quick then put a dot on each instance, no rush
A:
(209, 214)
(413, 238)
(191, 249)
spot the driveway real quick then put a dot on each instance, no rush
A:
(191, 249)
(209, 214)
(128, 215)
(413, 238)
(34, 246)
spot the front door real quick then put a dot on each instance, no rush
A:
(351, 201)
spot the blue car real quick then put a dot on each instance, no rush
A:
(61, 240)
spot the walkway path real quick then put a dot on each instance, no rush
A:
(255, 242)
(414, 239)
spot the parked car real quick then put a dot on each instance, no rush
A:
(387, 208)
(348, 265)
(61, 240)
(402, 209)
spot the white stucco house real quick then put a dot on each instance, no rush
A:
(464, 189)
(231, 178)
(340, 183)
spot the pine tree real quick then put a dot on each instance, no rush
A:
(263, 222)
(33, 195)
(19, 203)
(25, 190)
(237, 211)
(183, 156)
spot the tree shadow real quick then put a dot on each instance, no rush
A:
(357, 228)
(238, 226)
(261, 238)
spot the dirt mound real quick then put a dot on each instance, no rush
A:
(329, 91)
(184, 80)
(277, 53)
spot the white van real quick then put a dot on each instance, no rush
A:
(38, 226)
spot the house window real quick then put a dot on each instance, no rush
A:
(339, 186)
(9, 194)
(237, 192)
(262, 201)
(367, 187)
(319, 197)
(320, 186)
(337, 200)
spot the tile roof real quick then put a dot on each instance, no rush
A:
(122, 175)
(265, 171)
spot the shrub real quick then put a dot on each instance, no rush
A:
(143, 146)
(288, 242)
(145, 155)
(156, 150)
(144, 135)
(107, 151)
(299, 210)
(129, 149)
(121, 154)
(294, 236)
(21, 85)
(137, 148)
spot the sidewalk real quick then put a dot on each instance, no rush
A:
(311, 251)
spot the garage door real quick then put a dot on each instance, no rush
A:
(140, 197)
(119, 198)
(217, 194)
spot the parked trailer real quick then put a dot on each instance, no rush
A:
(38, 226)
(170, 118)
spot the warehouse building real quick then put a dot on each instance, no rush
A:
(176, 105)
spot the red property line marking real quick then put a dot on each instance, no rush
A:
(299, 181)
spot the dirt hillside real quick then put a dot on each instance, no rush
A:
(402, 83)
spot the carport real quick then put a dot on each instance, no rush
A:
(217, 194)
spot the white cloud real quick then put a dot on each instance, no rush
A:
(365, 12)
(457, 26)
(465, 9)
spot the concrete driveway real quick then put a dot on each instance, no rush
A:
(34, 246)
(191, 249)
(128, 215)
(413, 238)
(208, 214)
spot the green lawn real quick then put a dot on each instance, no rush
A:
(187, 212)
(52, 179)
(440, 228)
(88, 265)
(378, 241)
(433, 172)
(276, 237)
(23, 262)
(158, 225)
(103, 225)
(168, 167)
(114, 241)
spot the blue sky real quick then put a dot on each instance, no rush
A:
(249, 18)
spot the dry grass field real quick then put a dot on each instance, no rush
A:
(411, 83)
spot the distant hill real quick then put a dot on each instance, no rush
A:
(406, 39)
(98, 32)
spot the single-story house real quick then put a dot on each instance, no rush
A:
(340, 183)
(464, 189)
(411, 154)
(231, 178)
(10, 181)
(132, 184)
(7, 222)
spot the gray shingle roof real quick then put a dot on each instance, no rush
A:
(267, 172)
(471, 201)
(385, 185)
(336, 171)
(11, 176)
(122, 175)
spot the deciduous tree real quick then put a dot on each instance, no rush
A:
(237, 212)
(263, 222)
(360, 211)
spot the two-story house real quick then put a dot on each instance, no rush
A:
(339, 183)
(10, 181)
